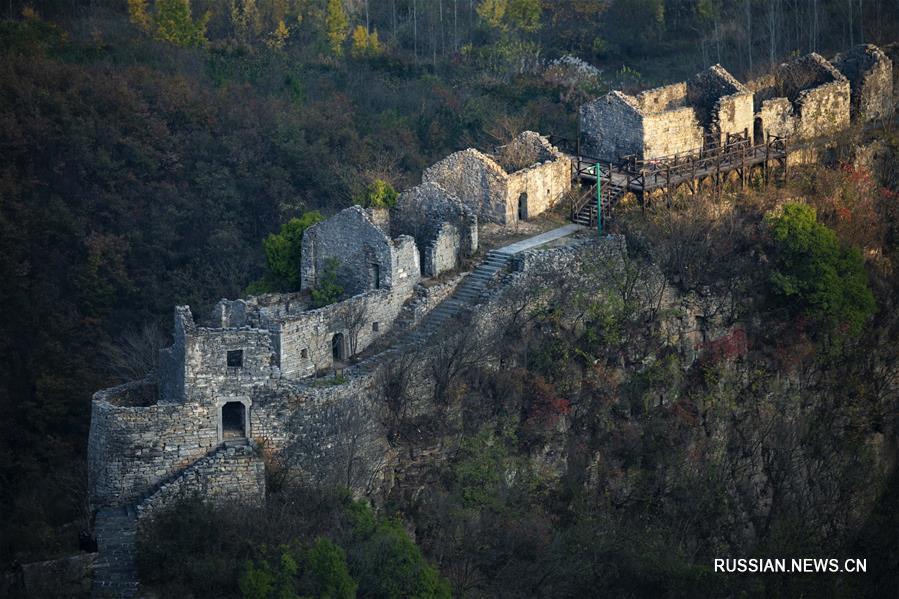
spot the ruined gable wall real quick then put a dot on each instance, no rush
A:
(672, 132)
(475, 179)
(356, 242)
(442, 254)
(611, 127)
(544, 185)
(870, 74)
(723, 105)
(423, 210)
(132, 449)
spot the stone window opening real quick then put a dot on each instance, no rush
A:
(234, 358)
(375, 270)
(304, 353)
(523, 206)
(233, 421)
(338, 347)
(374, 326)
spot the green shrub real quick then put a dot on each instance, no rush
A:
(283, 251)
(378, 194)
(328, 290)
(816, 277)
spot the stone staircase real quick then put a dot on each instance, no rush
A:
(115, 571)
(611, 194)
(464, 297)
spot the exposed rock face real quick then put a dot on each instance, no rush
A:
(501, 196)
(870, 73)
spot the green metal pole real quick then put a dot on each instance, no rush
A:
(598, 200)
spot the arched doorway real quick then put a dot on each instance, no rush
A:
(338, 351)
(233, 421)
(523, 206)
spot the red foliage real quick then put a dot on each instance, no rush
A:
(542, 403)
(726, 348)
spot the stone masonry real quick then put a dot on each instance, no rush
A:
(870, 73)
(517, 190)
(668, 120)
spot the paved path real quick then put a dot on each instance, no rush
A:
(538, 240)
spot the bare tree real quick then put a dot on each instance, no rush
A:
(353, 315)
(135, 355)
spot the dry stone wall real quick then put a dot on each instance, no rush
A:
(229, 475)
(870, 74)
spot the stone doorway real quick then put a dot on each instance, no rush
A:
(233, 421)
(523, 206)
(338, 347)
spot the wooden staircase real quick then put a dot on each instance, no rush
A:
(585, 212)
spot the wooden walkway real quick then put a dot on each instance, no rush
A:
(670, 173)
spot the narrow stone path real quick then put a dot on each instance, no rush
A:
(115, 573)
(470, 289)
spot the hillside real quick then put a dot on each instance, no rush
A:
(722, 385)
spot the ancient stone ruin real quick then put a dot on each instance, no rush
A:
(870, 74)
(518, 181)
(668, 120)
(802, 99)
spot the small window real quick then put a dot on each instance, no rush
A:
(235, 358)
(304, 353)
(374, 327)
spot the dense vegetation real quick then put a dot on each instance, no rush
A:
(154, 155)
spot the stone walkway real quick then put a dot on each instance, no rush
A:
(538, 240)
(115, 574)
(469, 291)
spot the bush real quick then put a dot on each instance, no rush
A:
(816, 277)
(378, 194)
(283, 252)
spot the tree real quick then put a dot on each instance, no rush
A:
(353, 315)
(174, 23)
(138, 15)
(328, 290)
(814, 275)
(378, 194)
(336, 26)
(283, 251)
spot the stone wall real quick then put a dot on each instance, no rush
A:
(361, 248)
(673, 132)
(818, 94)
(427, 212)
(474, 178)
(443, 252)
(723, 105)
(229, 475)
(131, 449)
(870, 73)
(492, 192)
(611, 127)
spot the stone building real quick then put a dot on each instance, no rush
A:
(444, 228)
(673, 119)
(518, 181)
(802, 99)
(870, 74)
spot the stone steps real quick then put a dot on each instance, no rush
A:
(115, 571)
(464, 297)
